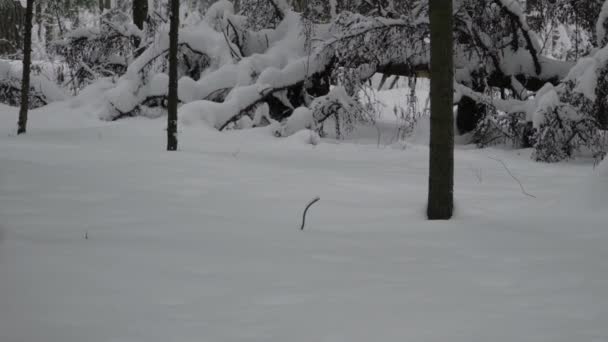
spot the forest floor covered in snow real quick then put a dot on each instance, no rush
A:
(105, 237)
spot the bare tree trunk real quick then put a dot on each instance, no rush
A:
(140, 14)
(27, 63)
(108, 4)
(39, 15)
(172, 101)
(441, 167)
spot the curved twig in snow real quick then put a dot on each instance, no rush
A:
(317, 199)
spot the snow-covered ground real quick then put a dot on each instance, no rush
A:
(104, 237)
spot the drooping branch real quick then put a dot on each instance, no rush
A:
(515, 12)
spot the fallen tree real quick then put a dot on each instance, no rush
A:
(284, 60)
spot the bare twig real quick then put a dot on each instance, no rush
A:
(521, 186)
(306, 210)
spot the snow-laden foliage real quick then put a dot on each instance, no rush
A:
(105, 51)
(337, 105)
(269, 58)
(574, 117)
(558, 122)
(281, 67)
(528, 73)
(145, 82)
(42, 90)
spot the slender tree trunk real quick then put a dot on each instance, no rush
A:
(27, 63)
(441, 168)
(39, 15)
(108, 4)
(140, 14)
(172, 105)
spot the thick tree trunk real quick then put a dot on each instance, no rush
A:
(172, 103)
(27, 63)
(441, 167)
(140, 13)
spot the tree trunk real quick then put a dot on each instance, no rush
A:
(140, 13)
(39, 15)
(27, 63)
(441, 167)
(172, 101)
(108, 4)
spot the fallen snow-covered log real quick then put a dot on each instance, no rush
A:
(293, 63)
(559, 122)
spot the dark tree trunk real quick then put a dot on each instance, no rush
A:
(108, 4)
(27, 63)
(140, 14)
(441, 166)
(172, 103)
(39, 15)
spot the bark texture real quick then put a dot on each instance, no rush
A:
(173, 99)
(27, 65)
(441, 168)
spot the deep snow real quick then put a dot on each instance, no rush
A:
(203, 244)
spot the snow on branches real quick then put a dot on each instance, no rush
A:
(286, 72)
(559, 122)
(296, 64)
(42, 90)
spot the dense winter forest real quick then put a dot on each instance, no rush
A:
(528, 74)
(312, 137)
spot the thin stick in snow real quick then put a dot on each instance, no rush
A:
(521, 186)
(306, 210)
